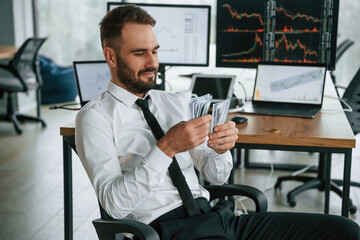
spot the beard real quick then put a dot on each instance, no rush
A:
(132, 80)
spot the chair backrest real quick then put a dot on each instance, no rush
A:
(26, 63)
(352, 97)
(341, 49)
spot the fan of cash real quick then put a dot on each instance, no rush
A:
(199, 106)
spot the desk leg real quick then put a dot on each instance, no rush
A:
(246, 157)
(327, 171)
(68, 209)
(346, 187)
(231, 177)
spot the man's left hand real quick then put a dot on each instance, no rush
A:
(223, 138)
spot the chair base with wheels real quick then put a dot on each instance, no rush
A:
(17, 118)
(317, 182)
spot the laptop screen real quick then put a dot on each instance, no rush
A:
(219, 86)
(92, 78)
(289, 83)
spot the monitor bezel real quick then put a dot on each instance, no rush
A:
(208, 7)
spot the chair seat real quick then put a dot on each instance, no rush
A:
(8, 83)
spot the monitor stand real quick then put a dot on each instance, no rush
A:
(161, 85)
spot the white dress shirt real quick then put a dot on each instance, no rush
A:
(127, 170)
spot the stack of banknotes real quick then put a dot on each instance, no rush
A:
(199, 106)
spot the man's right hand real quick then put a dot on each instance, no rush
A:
(185, 136)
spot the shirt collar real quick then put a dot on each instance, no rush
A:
(122, 95)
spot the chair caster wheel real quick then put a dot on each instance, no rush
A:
(18, 131)
(291, 202)
(43, 124)
(352, 209)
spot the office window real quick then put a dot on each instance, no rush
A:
(349, 19)
(73, 27)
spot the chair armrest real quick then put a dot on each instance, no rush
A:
(255, 194)
(7, 68)
(338, 86)
(107, 229)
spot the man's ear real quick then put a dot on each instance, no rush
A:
(110, 56)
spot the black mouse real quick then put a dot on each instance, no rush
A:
(239, 119)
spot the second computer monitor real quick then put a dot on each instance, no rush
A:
(296, 31)
(183, 32)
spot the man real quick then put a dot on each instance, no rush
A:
(128, 167)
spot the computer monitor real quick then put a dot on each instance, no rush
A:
(296, 31)
(219, 86)
(183, 32)
(92, 78)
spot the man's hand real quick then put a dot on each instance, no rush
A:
(185, 136)
(223, 138)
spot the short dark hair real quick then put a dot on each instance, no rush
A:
(113, 22)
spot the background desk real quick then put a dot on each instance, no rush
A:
(7, 51)
(328, 133)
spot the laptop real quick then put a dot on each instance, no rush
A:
(92, 78)
(219, 86)
(294, 90)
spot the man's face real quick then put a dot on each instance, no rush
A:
(137, 59)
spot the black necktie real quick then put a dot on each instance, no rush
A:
(174, 169)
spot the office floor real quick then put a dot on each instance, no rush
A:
(31, 183)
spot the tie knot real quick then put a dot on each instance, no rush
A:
(143, 103)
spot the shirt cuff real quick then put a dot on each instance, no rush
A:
(226, 156)
(215, 155)
(158, 160)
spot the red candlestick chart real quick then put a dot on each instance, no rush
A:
(243, 34)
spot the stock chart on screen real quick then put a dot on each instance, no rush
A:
(294, 31)
(289, 83)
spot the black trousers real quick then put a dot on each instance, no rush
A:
(220, 223)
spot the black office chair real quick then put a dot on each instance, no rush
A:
(108, 228)
(352, 97)
(340, 50)
(21, 75)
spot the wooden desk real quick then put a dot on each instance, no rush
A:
(328, 133)
(7, 51)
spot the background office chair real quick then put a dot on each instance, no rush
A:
(108, 228)
(340, 50)
(21, 75)
(352, 97)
